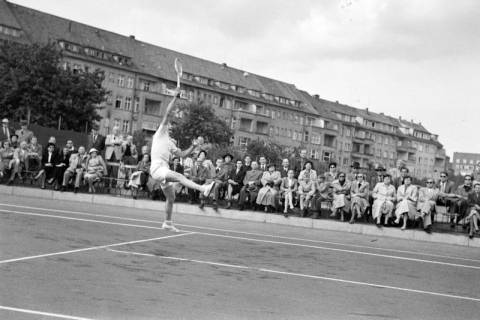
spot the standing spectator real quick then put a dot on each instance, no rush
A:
(341, 196)
(354, 170)
(247, 163)
(23, 133)
(50, 159)
(69, 147)
(460, 205)
(34, 157)
(96, 141)
(285, 168)
(77, 164)
(400, 180)
(53, 140)
(251, 184)
(427, 197)
(201, 145)
(289, 187)
(306, 189)
(113, 152)
(359, 194)
(129, 152)
(262, 163)
(96, 169)
(407, 196)
(6, 131)
(6, 155)
(139, 178)
(474, 215)
(267, 195)
(300, 162)
(235, 182)
(331, 174)
(384, 196)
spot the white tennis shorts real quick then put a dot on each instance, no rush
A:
(159, 173)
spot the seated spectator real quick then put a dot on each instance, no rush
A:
(323, 193)
(139, 178)
(247, 163)
(288, 188)
(341, 196)
(200, 146)
(359, 194)
(227, 162)
(176, 166)
(23, 133)
(199, 174)
(7, 154)
(384, 197)
(235, 182)
(34, 156)
(332, 173)
(427, 197)
(474, 214)
(262, 163)
(251, 184)
(446, 195)
(270, 180)
(77, 165)
(61, 166)
(18, 162)
(69, 147)
(96, 169)
(220, 176)
(407, 196)
(460, 204)
(14, 141)
(306, 188)
(50, 159)
(129, 152)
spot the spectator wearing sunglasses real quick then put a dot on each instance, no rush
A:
(446, 195)
(332, 173)
(460, 205)
(427, 197)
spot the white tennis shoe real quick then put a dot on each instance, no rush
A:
(208, 190)
(167, 225)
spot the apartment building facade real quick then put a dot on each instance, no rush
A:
(466, 163)
(140, 77)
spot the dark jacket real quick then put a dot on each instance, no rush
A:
(237, 177)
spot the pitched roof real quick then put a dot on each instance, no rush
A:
(6, 17)
(147, 58)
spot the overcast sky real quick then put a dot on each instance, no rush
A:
(419, 59)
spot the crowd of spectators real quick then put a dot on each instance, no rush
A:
(293, 187)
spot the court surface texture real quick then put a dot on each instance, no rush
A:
(70, 260)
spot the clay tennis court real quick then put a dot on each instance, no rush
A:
(70, 260)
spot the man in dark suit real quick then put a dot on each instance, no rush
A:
(50, 160)
(235, 181)
(96, 140)
(198, 174)
(474, 215)
(398, 181)
(5, 131)
(251, 185)
(61, 166)
(176, 166)
(220, 177)
(300, 162)
(446, 195)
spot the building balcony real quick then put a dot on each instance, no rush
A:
(440, 155)
(405, 146)
(359, 154)
(362, 140)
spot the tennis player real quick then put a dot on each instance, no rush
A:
(164, 147)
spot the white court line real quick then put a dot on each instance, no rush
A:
(40, 313)
(93, 248)
(375, 285)
(256, 240)
(247, 233)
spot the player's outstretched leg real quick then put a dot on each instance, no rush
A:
(172, 176)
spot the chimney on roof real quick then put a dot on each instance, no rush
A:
(336, 101)
(246, 74)
(224, 65)
(316, 96)
(70, 26)
(132, 37)
(366, 110)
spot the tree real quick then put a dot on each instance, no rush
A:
(272, 151)
(34, 85)
(198, 119)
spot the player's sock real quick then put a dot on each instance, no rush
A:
(209, 188)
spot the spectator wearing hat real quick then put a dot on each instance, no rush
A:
(50, 159)
(96, 169)
(332, 172)
(235, 182)
(354, 170)
(96, 140)
(359, 193)
(227, 162)
(306, 189)
(271, 180)
(384, 197)
(427, 197)
(5, 132)
(24, 134)
(251, 184)
(474, 212)
(77, 164)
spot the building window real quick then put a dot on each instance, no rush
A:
(146, 85)
(243, 141)
(305, 136)
(116, 123)
(118, 102)
(215, 100)
(136, 104)
(121, 81)
(327, 156)
(128, 103)
(130, 83)
(233, 124)
(126, 126)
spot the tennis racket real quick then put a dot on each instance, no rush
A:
(179, 70)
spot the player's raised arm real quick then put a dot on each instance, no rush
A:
(169, 108)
